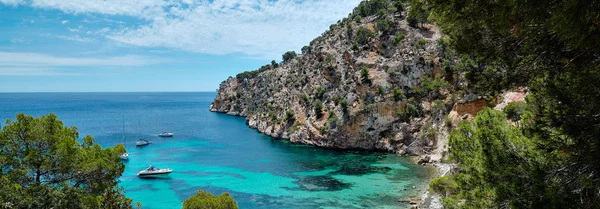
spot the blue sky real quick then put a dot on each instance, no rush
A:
(150, 45)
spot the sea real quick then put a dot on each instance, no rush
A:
(218, 153)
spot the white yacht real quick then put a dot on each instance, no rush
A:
(166, 134)
(125, 156)
(151, 171)
(142, 142)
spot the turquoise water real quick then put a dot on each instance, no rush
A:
(219, 153)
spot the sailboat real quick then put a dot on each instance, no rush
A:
(124, 156)
(141, 141)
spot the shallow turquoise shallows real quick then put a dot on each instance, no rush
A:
(219, 153)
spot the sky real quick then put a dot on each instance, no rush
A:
(150, 45)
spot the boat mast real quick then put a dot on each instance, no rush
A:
(124, 140)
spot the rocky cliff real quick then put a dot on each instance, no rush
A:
(372, 83)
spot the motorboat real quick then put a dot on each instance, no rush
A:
(152, 171)
(166, 134)
(125, 156)
(142, 142)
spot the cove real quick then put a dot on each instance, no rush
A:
(219, 153)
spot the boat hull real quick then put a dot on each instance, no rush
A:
(161, 173)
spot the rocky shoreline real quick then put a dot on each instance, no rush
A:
(425, 199)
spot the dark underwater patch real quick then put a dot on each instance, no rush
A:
(359, 169)
(321, 183)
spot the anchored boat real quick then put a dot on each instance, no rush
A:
(151, 171)
(142, 142)
(166, 134)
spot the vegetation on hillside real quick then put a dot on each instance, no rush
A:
(552, 159)
(44, 165)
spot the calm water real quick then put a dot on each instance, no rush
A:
(219, 153)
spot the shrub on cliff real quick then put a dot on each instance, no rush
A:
(363, 35)
(398, 38)
(385, 26)
(319, 109)
(514, 110)
(289, 116)
(552, 47)
(206, 200)
(305, 49)
(368, 8)
(289, 56)
(497, 164)
(364, 75)
(417, 13)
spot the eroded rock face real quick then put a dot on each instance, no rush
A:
(358, 112)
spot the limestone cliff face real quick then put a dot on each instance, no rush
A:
(359, 111)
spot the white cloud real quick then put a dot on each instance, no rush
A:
(138, 8)
(12, 2)
(30, 60)
(64, 22)
(18, 40)
(31, 64)
(75, 38)
(28, 71)
(256, 28)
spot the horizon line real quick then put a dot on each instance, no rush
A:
(24, 92)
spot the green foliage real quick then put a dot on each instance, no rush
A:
(514, 110)
(252, 74)
(330, 59)
(553, 48)
(295, 127)
(319, 109)
(399, 4)
(498, 165)
(430, 88)
(417, 13)
(382, 13)
(410, 111)
(398, 38)
(384, 26)
(344, 104)
(421, 42)
(398, 94)
(371, 7)
(305, 98)
(355, 46)
(364, 74)
(357, 19)
(42, 165)
(323, 130)
(320, 92)
(444, 185)
(305, 49)
(289, 56)
(370, 107)
(363, 35)
(289, 116)
(448, 121)
(380, 90)
(206, 200)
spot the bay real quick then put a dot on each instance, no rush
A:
(219, 153)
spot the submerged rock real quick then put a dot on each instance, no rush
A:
(322, 183)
